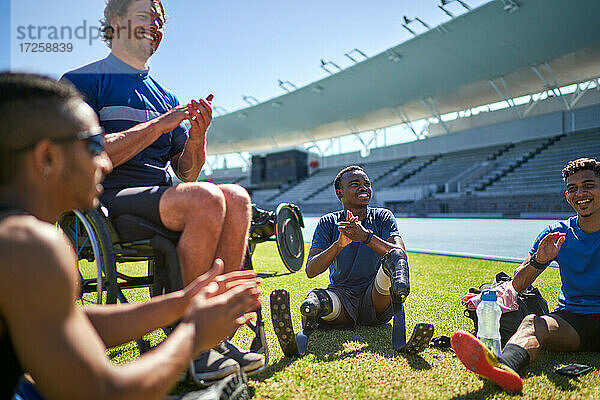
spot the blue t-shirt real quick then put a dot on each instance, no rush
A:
(356, 265)
(123, 97)
(579, 265)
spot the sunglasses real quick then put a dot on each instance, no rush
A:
(94, 139)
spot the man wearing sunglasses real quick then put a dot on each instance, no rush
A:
(52, 160)
(145, 134)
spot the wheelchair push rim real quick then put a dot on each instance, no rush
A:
(92, 245)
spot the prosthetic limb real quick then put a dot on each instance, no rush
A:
(282, 323)
(395, 265)
(317, 304)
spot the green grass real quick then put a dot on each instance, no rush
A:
(361, 364)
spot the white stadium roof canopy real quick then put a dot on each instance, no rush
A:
(486, 55)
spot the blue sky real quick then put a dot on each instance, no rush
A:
(229, 48)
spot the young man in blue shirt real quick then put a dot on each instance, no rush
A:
(145, 135)
(368, 272)
(349, 243)
(575, 324)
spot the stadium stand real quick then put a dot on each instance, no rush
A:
(517, 178)
(523, 109)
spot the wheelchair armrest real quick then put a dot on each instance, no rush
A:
(131, 228)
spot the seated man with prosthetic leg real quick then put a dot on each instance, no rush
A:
(363, 250)
(575, 323)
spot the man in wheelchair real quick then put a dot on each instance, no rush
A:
(52, 159)
(145, 134)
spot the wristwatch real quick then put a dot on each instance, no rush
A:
(369, 237)
(536, 264)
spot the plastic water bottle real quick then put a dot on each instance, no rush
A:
(488, 325)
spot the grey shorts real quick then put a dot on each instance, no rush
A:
(140, 201)
(360, 307)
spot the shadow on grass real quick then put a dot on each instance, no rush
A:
(274, 368)
(276, 274)
(488, 388)
(546, 365)
(338, 344)
(548, 362)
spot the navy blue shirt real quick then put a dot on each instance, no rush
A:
(123, 97)
(354, 268)
(579, 266)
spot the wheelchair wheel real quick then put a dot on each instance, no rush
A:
(288, 235)
(92, 243)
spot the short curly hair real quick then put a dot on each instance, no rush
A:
(118, 8)
(338, 177)
(580, 164)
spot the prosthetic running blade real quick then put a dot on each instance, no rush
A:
(282, 325)
(398, 327)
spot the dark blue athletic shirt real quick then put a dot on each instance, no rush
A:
(355, 266)
(123, 97)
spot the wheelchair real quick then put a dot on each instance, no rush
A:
(102, 244)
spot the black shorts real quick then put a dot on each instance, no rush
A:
(586, 325)
(140, 201)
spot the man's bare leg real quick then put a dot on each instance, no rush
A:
(197, 210)
(381, 302)
(232, 244)
(548, 331)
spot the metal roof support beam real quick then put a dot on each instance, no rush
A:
(274, 141)
(329, 146)
(579, 93)
(220, 110)
(360, 139)
(357, 51)
(374, 135)
(245, 160)
(309, 136)
(553, 88)
(545, 81)
(350, 125)
(435, 113)
(534, 102)
(401, 113)
(564, 100)
(354, 131)
(510, 96)
(314, 145)
(215, 162)
(286, 85)
(250, 100)
(506, 97)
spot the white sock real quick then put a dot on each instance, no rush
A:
(337, 307)
(382, 282)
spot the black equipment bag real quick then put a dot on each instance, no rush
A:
(530, 301)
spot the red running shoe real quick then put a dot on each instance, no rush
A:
(479, 359)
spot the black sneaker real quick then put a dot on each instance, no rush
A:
(232, 387)
(211, 366)
(248, 360)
